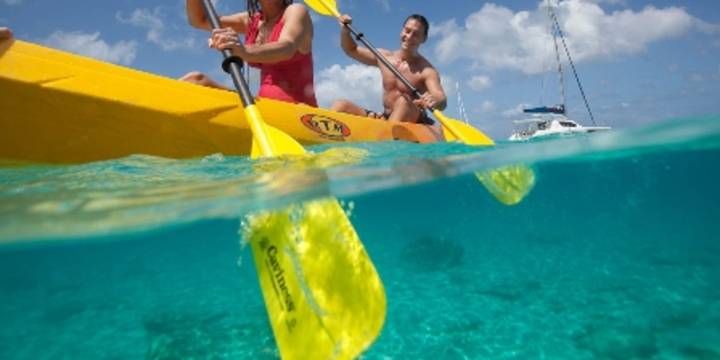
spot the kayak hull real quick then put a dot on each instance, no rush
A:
(58, 107)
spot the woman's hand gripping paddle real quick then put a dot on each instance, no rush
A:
(508, 184)
(322, 293)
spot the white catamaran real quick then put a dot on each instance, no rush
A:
(546, 121)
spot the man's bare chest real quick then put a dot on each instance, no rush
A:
(413, 73)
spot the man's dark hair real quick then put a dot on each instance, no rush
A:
(253, 6)
(420, 19)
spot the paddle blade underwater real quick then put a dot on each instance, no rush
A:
(322, 293)
(508, 184)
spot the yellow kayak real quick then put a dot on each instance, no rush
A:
(58, 107)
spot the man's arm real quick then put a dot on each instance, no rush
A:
(351, 48)
(435, 95)
(198, 18)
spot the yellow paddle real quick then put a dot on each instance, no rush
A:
(508, 184)
(322, 293)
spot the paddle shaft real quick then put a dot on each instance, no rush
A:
(361, 38)
(233, 65)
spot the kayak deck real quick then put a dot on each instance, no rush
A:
(65, 108)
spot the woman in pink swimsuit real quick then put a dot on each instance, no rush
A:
(278, 41)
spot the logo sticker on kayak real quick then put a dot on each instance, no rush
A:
(326, 127)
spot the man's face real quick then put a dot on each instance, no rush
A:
(412, 34)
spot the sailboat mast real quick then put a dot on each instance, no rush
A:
(572, 65)
(561, 77)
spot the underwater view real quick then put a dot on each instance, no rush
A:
(614, 254)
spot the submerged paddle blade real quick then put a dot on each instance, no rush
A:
(324, 7)
(323, 295)
(509, 184)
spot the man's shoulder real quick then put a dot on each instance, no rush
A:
(386, 52)
(426, 64)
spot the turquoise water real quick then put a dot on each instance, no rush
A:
(615, 253)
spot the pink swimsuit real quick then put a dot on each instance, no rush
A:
(290, 80)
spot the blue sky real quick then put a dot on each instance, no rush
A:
(639, 61)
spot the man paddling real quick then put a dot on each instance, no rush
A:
(398, 101)
(278, 41)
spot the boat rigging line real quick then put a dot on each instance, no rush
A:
(572, 64)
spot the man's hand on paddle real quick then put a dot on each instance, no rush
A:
(426, 101)
(226, 38)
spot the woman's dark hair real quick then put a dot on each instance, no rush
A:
(422, 21)
(253, 6)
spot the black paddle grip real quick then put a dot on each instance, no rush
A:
(231, 59)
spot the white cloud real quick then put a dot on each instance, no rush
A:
(479, 83)
(358, 83)
(516, 111)
(487, 106)
(706, 27)
(495, 37)
(385, 4)
(122, 52)
(695, 77)
(154, 22)
(12, 2)
(448, 83)
(613, 2)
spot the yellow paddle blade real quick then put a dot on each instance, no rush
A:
(509, 184)
(323, 7)
(456, 130)
(268, 141)
(329, 158)
(339, 156)
(282, 144)
(324, 297)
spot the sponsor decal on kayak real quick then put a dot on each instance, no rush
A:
(326, 127)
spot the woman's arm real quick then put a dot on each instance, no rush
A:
(293, 38)
(198, 18)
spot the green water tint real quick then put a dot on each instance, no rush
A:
(614, 254)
